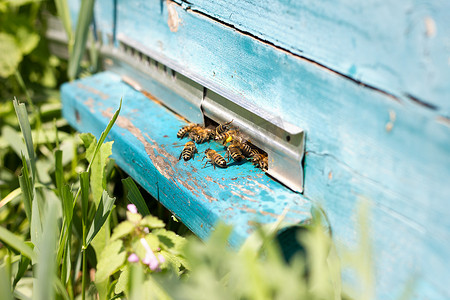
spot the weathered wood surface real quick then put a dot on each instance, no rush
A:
(146, 147)
(361, 142)
(401, 47)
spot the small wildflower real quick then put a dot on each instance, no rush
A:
(133, 258)
(150, 258)
(161, 258)
(146, 230)
(132, 208)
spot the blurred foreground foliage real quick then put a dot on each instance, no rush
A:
(24, 50)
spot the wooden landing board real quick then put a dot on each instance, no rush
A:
(146, 147)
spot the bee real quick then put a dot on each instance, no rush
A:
(235, 153)
(187, 129)
(260, 161)
(223, 127)
(203, 135)
(214, 158)
(188, 151)
(225, 136)
(263, 164)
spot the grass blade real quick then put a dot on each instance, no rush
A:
(84, 186)
(5, 284)
(64, 14)
(135, 196)
(27, 189)
(101, 215)
(10, 197)
(105, 133)
(46, 264)
(22, 115)
(81, 35)
(15, 242)
(23, 266)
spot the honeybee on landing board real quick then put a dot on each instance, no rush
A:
(263, 164)
(226, 136)
(186, 129)
(203, 135)
(260, 161)
(188, 151)
(223, 127)
(214, 158)
(234, 152)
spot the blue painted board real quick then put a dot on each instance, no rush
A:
(361, 144)
(146, 147)
(401, 47)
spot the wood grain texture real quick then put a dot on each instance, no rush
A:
(399, 167)
(361, 143)
(401, 47)
(146, 147)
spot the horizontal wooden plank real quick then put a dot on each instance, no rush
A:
(146, 147)
(401, 47)
(394, 153)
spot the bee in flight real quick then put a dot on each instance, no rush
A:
(188, 151)
(223, 127)
(187, 129)
(214, 159)
(234, 152)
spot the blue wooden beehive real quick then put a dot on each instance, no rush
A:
(360, 89)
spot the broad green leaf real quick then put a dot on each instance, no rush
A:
(14, 139)
(152, 222)
(26, 39)
(98, 170)
(81, 34)
(135, 282)
(10, 56)
(169, 240)
(22, 115)
(122, 283)
(89, 142)
(5, 284)
(135, 196)
(102, 213)
(43, 288)
(111, 260)
(123, 229)
(15, 242)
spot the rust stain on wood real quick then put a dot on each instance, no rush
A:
(173, 19)
(90, 104)
(92, 90)
(243, 196)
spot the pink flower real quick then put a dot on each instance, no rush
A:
(133, 258)
(150, 258)
(132, 208)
